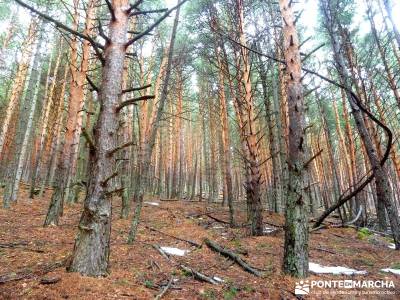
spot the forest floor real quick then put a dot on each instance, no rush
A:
(28, 251)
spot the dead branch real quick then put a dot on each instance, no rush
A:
(105, 181)
(312, 52)
(116, 191)
(120, 147)
(165, 289)
(175, 237)
(95, 45)
(111, 9)
(312, 158)
(133, 6)
(225, 252)
(135, 89)
(50, 280)
(133, 101)
(146, 12)
(91, 83)
(89, 139)
(155, 24)
(216, 219)
(162, 252)
(26, 274)
(197, 275)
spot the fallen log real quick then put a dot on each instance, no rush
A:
(216, 219)
(197, 275)
(50, 280)
(175, 237)
(225, 252)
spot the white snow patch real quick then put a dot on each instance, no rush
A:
(268, 229)
(392, 246)
(218, 279)
(152, 203)
(218, 227)
(389, 270)
(174, 251)
(318, 269)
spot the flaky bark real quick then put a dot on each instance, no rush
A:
(295, 260)
(92, 245)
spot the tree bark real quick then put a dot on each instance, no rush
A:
(295, 260)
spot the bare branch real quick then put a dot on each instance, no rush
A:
(102, 34)
(312, 158)
(120, 147)
(133, 101)
(134, 6)
(105, 181)
(145, 12)
(155, 24)
(111, 9)
(89, 140)
(60, 25)
(135, 89)
(91, 83)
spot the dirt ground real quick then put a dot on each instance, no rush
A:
(139, 271)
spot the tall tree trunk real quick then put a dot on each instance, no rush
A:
(19, 82)
(92, 245)
(295, 260)
(146, 151)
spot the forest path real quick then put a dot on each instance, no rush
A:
(138, 271)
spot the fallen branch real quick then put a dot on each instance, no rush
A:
(21, 245)
(175, 237)
(216, 219)
(162, 252)
(26, 274)
(197, 275)
(164, 290)
(225, 252)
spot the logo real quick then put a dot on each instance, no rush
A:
(302, 288)
(344, 287)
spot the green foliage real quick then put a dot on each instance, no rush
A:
(149, 283)
(231, 293)
(363, 233)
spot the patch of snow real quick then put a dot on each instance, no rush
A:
(318, 269)
(392, 246)
(174, 251)
(268, 229)
(218, 227)
(394, 271)
(217, 279)
(152, 203)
